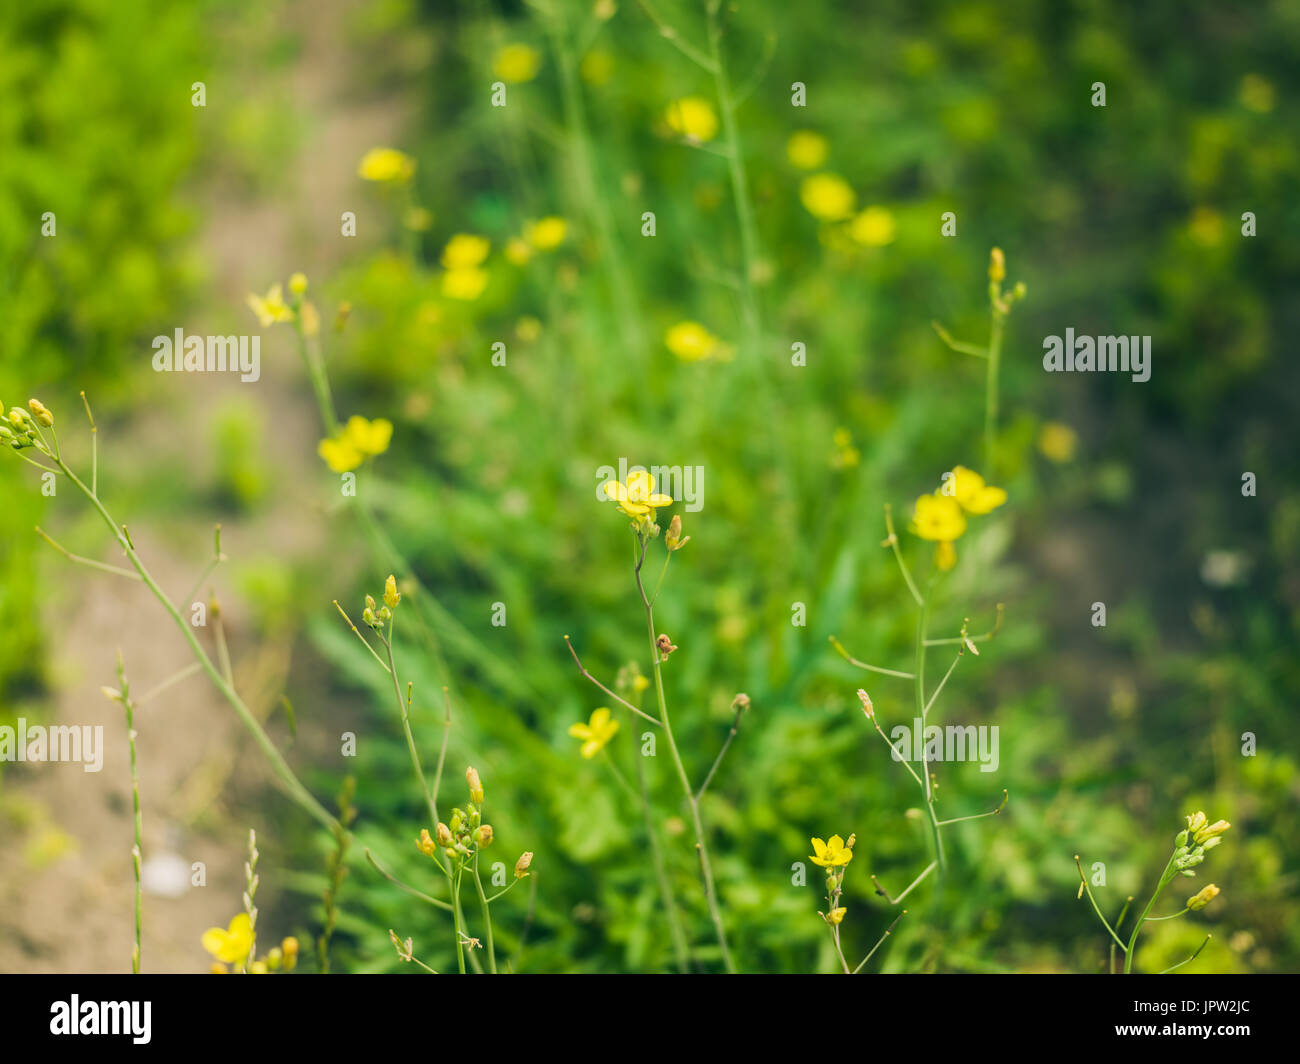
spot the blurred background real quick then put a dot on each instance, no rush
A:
(1123, 219)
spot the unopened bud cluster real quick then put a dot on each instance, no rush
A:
(1193, 843)
(22, 428)
(376, 616)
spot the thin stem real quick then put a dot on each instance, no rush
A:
(403, 707)
(94, 445)
(403, 886)
(442, 751)
(1132, 942)
(137, 851)
(706, 869)
(839, 649)
(618, 776)
(935, 694)
(957, 345)
(892, 541)
(922, 621)
(297, 792)
(457, 920)
(991, 391)
(621, 701)
(1191, 958)
(116, 570)
(681, 947)
(175, 678)
(735, 727)
(1083, 884)
(880, 889)
(888, 931)
(364, 641)
(674, 38)
(964, 639)
(487, 917)
(979, 816)
(898, 754)
(223, 650)
(506, 889)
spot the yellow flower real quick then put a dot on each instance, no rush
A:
(517, 63)
(638, 497)
(836, 916)
(827, 196)
(270, 308)
(692, 117)
(465, 250)
(831, 854)
(358, 440)
(1057, 442)
(595, 733)
(1203, 897)
(972, 494)
(938, 518)
(388, 165)
(298, 283)
(547, 234)
(692, 342)
(874, 227)
(806, 150)
(464, 284)
(233, 944)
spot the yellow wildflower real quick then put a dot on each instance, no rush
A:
(972, 494)
(827, 196)
(517, 63)
(464, 284)
(546, 234)
(692, 117)
(270, 308)
(938, 518)
(1057, 442)
(833, 854)
(836, 916)
(465, 250)
(638, 497)
(692, 342)
(874, 227)
(595, 733)
(358, 440)
(232, 945)
(387, 165)
(298, 283)
(806, 150)
(339, 454)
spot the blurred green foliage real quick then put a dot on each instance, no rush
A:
(1124, 219)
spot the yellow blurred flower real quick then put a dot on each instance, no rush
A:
(1057, 442)
(638, 497)
(310, 318)
(833, 854)
(358, 440)
(388, 165)
(874, 227)
(233, 944)
(836, 916)
(517, 251)
(465, 250)
(298, 283)
(547, 233)
(938, 518)
(464, 284)
(972, 494)
(517, 63)
(595, 733)
(270, 308)
(692, 342)
(692, 117)
(827, 196)
(807, 150)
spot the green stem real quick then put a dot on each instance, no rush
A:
(293, 786)
(922, 622)
(487, 917)
(457, 920)
(680, 946)
(1165, 877)
(991, 393)
(137, 853)
(706, 868)
(403, 706)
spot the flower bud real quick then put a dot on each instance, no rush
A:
(444, 835)
(836, 916)
(867, 707)
(298, 283)
(1212, 831)
(1180, 840)
(673, 537)
(484, 835)
(425, 843)
(997, 266)
(1195, 822)
(290, 947)
(1212, 842)
(521, 865)
(1203, 897)
(391, 595)
(275, 958)
(475, 785)
(665, 647)
(39, 411)
(370, 602)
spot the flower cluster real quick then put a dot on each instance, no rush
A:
(834, 856)
(22, 428)
(230, 948)
(466, 834)
(356, 441)
(639, 499)
(941, 517)
(375, 617)
(1192, 844)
